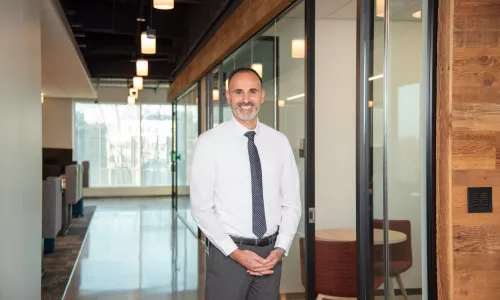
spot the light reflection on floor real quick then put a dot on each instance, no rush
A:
(137, 249)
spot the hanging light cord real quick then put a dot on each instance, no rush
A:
(151, 14)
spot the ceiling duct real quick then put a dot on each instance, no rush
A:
(124, 82)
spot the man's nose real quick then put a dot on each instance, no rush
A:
(246, 98)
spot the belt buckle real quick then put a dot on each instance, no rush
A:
(261, 242)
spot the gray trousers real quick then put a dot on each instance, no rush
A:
(228, 280)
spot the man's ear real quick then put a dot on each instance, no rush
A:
(227, 97)
(263, 96)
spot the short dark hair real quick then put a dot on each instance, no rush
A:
(242, 70)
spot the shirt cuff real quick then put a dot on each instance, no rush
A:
(284, 241)
(227, 246)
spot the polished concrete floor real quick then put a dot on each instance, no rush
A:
(137, 249)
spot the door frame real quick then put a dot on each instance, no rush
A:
(310, 173)
(430, 71)
(173, 156)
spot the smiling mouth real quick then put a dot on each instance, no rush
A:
(246, 106)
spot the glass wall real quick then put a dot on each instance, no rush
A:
(126, 145)
(272, 53)
(287, 111)
(187, 134)
(395, 113)
(216, 97)
(259, 54)
(399, 123)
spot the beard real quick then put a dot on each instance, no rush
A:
(245, 115)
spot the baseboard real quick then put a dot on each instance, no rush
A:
(398, 292)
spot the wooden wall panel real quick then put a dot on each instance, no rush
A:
(444, 233)
(250, 17)
(468, 110)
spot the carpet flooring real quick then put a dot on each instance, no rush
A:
(59, 264)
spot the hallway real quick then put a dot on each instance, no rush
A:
(136, 249)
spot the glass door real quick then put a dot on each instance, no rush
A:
(393, 107)
(173, 156)
(186, 134)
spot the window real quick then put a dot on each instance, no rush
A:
(126, 145)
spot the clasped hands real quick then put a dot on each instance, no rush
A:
(255, 264)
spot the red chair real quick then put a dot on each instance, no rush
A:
(335, 269)
(400, 254)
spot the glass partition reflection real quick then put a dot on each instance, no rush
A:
(187, 134)
(227, 67)
(216, 97)
(288, 104)
(272, 54)
(399, 119)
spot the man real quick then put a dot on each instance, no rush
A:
(245, 197)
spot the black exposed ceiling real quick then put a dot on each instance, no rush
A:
(108, 33)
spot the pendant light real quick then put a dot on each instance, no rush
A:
(133, 93)
(380, 8)
(142, 67)
(258, 68)
(298, 48)
(148, 37)
(215, 95)
(148, 42)
(164, 4)
(131, 100)
(138, 83)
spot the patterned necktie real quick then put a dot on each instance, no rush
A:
(258, 214)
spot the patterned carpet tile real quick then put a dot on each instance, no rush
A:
(59, 264)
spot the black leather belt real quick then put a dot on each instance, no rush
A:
(265, 241)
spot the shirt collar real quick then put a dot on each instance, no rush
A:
(240, 130)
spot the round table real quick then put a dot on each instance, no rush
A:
(349, 235)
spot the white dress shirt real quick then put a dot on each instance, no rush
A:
(221, 185)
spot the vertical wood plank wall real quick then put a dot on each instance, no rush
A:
(468, 148)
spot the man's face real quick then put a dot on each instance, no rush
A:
(245, 95)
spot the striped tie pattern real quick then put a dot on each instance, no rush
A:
(259, 226)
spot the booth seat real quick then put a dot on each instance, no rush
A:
(52, 208)
(78, 207)
(73, 192)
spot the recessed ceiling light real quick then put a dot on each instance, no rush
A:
(140, 19)
(417, 14)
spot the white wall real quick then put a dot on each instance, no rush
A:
(335, 123)
(336, 129)
(21, 150)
